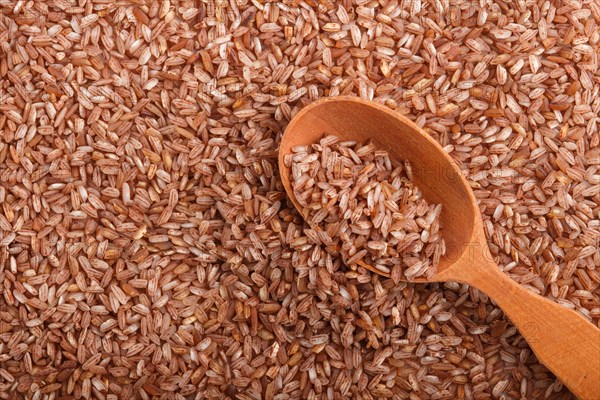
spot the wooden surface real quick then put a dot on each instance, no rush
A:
(561, 338)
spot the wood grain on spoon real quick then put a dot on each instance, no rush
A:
(561, 338)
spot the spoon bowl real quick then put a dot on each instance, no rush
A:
(562, 339)
(434, 172)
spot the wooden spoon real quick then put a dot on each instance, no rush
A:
(560, 338)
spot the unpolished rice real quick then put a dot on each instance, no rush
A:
(107, 107)
(364, 205)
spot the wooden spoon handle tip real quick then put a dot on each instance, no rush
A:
(562, 339)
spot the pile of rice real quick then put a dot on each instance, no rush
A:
(364, 205)
(147, 248)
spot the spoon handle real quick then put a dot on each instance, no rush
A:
(561, 338)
